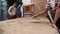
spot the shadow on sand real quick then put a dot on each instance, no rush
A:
(1, 31)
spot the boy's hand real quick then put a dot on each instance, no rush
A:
(54, 26)
(36, 15)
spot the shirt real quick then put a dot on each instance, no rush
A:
(51, 2)
(22, 12)
(59, 10)
(12, 10)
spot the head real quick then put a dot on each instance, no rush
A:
(14, 4)
(19, 4)
(48, 6)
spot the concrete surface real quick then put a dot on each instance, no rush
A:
(27, 26)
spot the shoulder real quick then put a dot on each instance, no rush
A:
(11, 7)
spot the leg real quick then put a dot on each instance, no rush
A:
(58, 23)
(49, 19)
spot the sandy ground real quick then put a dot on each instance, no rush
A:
(26, 26)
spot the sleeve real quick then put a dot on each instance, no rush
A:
(22, 11)
(9, 10)
(22, 8)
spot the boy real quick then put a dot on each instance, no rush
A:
(19, 11)
(57, 17)
(12, 11)
(49, 6)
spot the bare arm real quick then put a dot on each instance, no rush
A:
(56, 16)
(44, 11)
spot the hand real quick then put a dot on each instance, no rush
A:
(33, 16)
(54, 26)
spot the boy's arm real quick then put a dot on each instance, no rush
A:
(55, 19)
(56, 16)
(44, 11)
(9, 10)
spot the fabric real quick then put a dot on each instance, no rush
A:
(53, 9)
(1, 11)
(1, 14)
(5, 11)
(50, 15)
(12, 17)
(22, 11)
(12, 10)
(58, 23)
(18, 12)
(51, 3)
(49, 18)
(56, 2)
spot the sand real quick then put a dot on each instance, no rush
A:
(27, 26)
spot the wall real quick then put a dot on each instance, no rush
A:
(26, 1)
(39, 5)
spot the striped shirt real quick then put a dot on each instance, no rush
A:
(51, 2)
(12, 10)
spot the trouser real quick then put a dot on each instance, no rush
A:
(49, 18)
(58, 23)
(12, 17)
(1, 14)
(18, 14)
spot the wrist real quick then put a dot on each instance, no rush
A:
(53, 22)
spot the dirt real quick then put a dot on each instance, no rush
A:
(27, 26)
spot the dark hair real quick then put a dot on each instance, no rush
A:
(20, 3)
(14, 3)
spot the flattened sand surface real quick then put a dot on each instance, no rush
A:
(26, 26)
